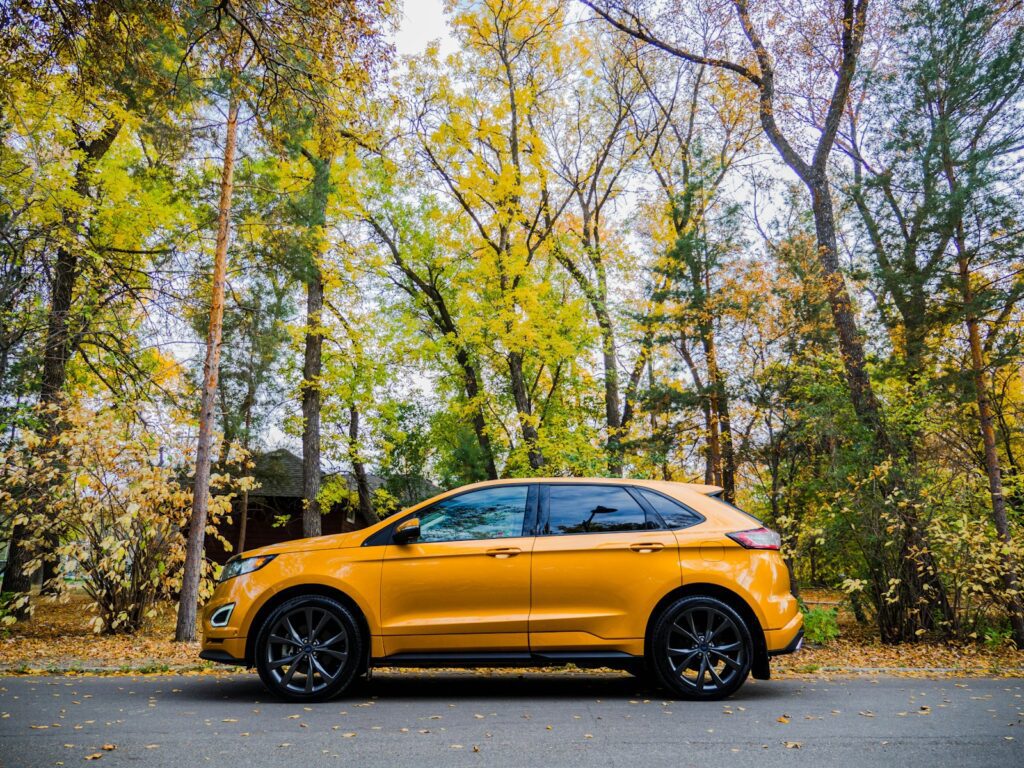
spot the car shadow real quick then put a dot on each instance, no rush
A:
(393, 685)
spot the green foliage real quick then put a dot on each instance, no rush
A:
(509, 239)
(821, 625)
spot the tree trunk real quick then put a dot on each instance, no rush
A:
(311, 523)
(522, 401)
(189, 598)
(313, 363)
(721, 424)
(247, 405)
(986, 423)
(365, 508)
(613, 423)
(243, 522)
(862, 394)
(471, 382)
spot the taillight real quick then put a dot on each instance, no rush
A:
(757, 538)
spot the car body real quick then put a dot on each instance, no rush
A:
(598, 572)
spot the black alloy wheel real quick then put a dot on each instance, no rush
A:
(309, 649)
(701, 648)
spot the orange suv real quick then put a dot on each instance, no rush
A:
(658, 578)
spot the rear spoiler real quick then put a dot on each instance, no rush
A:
(708, 490)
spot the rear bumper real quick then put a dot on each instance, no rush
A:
(787, 639)
(795, 645)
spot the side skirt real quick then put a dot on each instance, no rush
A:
(589, 659)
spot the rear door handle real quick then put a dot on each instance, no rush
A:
(645, 547)
(503, 553)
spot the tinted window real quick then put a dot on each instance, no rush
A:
(491, 513)
(673, 513)
(593, 509)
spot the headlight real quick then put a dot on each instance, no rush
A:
(247, 565)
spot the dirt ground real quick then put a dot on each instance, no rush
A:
(58, 638)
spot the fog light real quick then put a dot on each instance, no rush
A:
(222, 615)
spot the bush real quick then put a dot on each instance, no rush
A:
(821, 625)
(98, 496)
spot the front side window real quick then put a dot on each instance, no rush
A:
(490, 513)
(593, 509)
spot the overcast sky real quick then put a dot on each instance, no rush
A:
(422, 22)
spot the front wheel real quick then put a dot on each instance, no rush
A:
(309, 649)
(701, 648)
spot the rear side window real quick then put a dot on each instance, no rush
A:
(593, 509)
(672, 512)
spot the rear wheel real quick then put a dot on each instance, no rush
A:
(701, 648)
(309, 649)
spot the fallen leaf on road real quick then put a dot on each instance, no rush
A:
(94, 756)
(109, 747)
(792, 744)
(783, 719)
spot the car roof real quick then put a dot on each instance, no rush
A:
(664, 485)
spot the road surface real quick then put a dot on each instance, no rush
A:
(553, 719)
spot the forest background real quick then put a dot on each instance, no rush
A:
(774, 246)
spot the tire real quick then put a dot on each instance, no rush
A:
(310, 648)
(700, 649)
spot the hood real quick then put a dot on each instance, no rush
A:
(334, 541)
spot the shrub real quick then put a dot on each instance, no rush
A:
(98, 495)
(821, 625)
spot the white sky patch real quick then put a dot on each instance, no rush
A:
(422, 22)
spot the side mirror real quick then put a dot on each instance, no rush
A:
(407, 531)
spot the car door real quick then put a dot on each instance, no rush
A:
(464, 585)
(601, 561)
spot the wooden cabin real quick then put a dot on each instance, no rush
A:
(275, 507)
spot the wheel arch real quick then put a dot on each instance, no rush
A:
(760, 665)
(302, 590)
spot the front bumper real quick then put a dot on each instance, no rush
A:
(221, 657)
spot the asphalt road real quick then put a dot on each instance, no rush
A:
(554, 719)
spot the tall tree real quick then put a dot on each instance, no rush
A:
(969, 78)
(98, 76)
(499, 179)
(899, 619)
(271, 54)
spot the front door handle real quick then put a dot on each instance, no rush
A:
(503, 553)
(645, 547)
